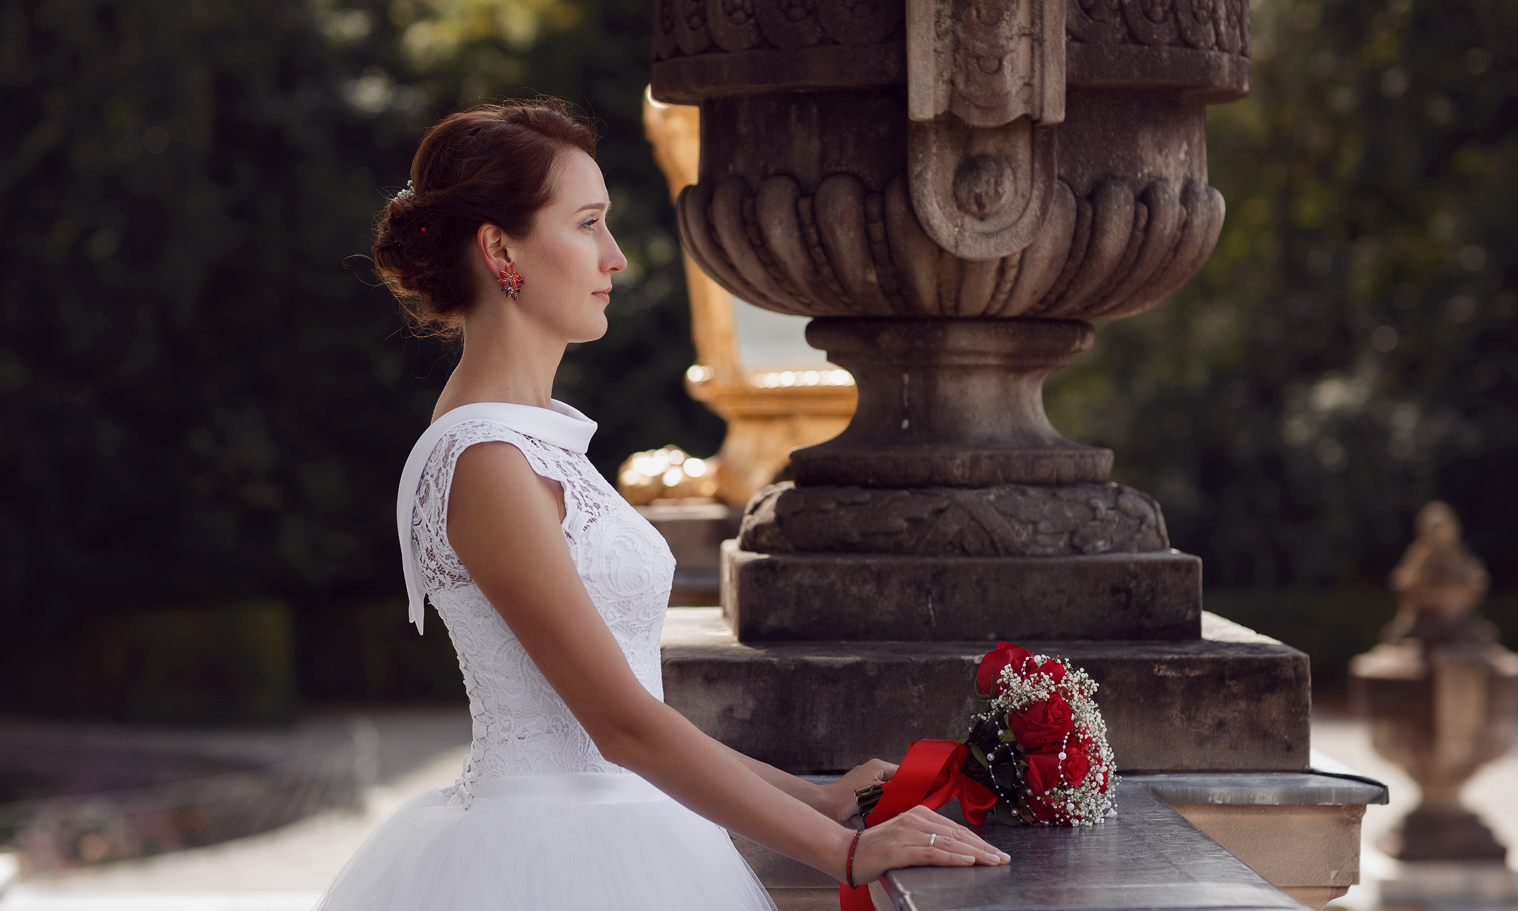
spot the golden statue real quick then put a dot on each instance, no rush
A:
(770, 408)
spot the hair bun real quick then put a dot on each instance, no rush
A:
(491, 165)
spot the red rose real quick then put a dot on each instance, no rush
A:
(1038, 810)
(1076, 765)
(1042, 772)
(1054, 668)
(992, 664)
(1042, 724)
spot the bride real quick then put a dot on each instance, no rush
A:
(582, 789)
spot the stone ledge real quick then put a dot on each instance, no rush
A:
(1196, 705)
(1148, 856)
(820, 597)
(1300, 830)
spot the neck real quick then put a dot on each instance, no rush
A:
(506, 359)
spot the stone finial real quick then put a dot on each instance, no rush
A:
(1438, 583)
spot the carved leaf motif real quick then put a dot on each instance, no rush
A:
(859, 23)
(1221, 25)
(732, 24)
(665, 43)
(789, 23)
(846, 251)
(1152, 22)
(1195, 19)
(690, 26)
(1095, 21)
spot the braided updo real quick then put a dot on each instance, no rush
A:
(490, 165)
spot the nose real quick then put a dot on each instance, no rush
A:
(616, 262)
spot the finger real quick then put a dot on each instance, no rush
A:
(958, 840)
(941, 857)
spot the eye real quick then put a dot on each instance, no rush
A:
(590, 222)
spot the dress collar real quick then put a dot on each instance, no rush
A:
(558, 425)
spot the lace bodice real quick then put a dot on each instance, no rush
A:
(521, 726)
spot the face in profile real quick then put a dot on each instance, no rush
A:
(569, 257)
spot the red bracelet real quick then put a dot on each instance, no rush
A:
(849, 870)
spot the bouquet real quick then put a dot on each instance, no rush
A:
(1039, 750)
(1042, 745)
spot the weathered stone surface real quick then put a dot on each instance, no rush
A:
(704, 48)
(1300, 830)
(1008, 521)
(1233, 702)
(949, 403)
(818, 597)
(1146, 857)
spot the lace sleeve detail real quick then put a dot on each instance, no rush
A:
(439, 565)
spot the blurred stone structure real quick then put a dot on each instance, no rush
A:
(1442, 697)
(954, 190)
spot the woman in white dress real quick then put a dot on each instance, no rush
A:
(582, 789)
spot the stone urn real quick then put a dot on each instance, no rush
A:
(1440, 692)
(955, 190)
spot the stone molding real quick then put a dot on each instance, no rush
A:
(1207, 25)
(1011, 520)
(847, 251)
(687, 28)
(706, 48)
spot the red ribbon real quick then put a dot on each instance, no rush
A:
(931, 775)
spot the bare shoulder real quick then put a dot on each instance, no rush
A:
(493, 483)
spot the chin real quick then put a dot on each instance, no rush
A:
(592, 330)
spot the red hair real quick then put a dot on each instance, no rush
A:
(490, 165)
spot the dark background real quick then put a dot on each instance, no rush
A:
(205, 400)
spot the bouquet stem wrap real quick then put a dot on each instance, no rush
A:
(931, 775)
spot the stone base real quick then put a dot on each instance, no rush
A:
(1231, 701)
(1441, 885)
(1311, 853)
(819, 597)
(1442, 834)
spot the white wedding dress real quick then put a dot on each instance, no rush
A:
(539, 820)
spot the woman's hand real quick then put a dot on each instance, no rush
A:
(838, 803)
(920, 838)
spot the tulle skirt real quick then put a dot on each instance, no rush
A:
(586, 841)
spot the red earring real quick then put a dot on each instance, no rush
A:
(511, 281)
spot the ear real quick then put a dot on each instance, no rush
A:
(493, 246)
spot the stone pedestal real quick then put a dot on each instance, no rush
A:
(1442, 698)
(1229, 700)
(955, 191)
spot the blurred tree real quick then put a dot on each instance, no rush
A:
(202, 395)
(1351, 349)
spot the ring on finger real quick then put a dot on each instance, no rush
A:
(932, 838)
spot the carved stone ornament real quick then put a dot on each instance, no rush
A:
(845, 251)
(985, 83)
(1008, 521)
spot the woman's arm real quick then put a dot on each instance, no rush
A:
(834, 800)
(503, 522)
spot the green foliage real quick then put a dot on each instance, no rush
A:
(202, 393)
(1351, 349)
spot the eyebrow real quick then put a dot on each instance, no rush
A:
(593, 205)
